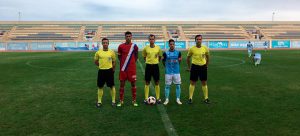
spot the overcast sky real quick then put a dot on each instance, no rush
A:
(150, 10)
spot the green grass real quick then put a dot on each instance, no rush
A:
(55, 94)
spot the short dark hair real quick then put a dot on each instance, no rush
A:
(151, 35)
(128, 32)
(171, 40)
(105, 39)
(199, 35)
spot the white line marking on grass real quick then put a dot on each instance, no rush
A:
(164, 116)
(28, 63)
(231, 65)
(35, 56)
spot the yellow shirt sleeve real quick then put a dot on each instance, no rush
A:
(160, 52)
(190, 53)
(96, 57)
(207, 51)
(113, 55)
(144, 53)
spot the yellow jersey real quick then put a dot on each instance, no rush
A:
(152, 54)
(105, 58)
(198, 55)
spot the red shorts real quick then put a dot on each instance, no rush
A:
(127, 75)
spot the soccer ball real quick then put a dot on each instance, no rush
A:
(151, 100)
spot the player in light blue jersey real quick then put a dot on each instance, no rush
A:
(266, 45)
(249, 48)
(256, 58)
(171, 61)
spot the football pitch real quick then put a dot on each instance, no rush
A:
(54, 93)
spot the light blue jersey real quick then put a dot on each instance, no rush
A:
(249, 48)
(171, 59)
(257, 56)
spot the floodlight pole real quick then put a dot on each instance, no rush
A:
(19, 18)
(273, 14)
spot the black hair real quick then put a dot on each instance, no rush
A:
(199, 35)
(151, 35)
(128, 32)
(105, 39)
(171, 40)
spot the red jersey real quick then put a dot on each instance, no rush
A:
(128, 63)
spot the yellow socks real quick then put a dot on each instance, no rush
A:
(157, 92)
(191, 91)
(205, 91)
(100, 94)
(146, 91)
(113, 94)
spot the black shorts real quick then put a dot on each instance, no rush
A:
(198, 72)
(152, 70)
(105, 76)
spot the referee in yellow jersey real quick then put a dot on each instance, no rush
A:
(152, 55)
(105, 59)
(198, 70)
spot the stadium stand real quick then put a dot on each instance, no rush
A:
(173, 32)
(281, 31)
(34, 31)
(4, 30)
(211, 31)
(140, 31)
(90, 31)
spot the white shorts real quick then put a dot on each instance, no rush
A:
(257, 60)
(175, 78)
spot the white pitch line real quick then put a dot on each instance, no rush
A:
(164, 116)
(28, 63)
(229, 58)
